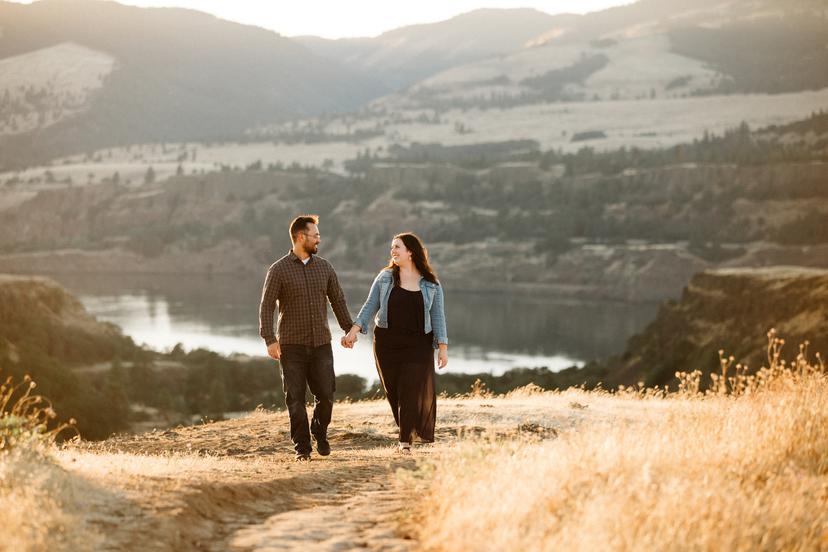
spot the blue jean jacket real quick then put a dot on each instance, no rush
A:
(376, 306)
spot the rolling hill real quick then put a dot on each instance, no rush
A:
(149, 75)
(654, 73)
(84, 75)
(404, 56)
(648, 49)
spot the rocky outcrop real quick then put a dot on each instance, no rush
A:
(44, 333)
(37, 313)
(730, 310)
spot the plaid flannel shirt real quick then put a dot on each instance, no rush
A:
(302, 291)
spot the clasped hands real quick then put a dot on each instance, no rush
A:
(349, 339)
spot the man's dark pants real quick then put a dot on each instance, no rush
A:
(312, 367)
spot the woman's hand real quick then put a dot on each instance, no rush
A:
(442, 356)
(350, 338)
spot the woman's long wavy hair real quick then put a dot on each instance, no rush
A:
(419, 255)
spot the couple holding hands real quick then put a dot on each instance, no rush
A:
(406, 302)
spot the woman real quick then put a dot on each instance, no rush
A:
(407, 300)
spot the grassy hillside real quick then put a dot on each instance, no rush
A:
(620, 471)
(722, 310)
(681, 472)
(144, 82)
(179, 75)
(642, 51)
(44, 332)
(43, 87)
(766, 55)
(403, 56)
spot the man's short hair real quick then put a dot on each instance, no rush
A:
(300, 224)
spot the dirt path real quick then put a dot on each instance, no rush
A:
(234, 485)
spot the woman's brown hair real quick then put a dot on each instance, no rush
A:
(419, 255)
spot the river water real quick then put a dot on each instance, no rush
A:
(487, 332)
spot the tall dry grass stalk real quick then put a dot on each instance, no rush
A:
(25, 418)
(742, 466)
(38, 502)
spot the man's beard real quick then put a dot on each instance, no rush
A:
(311, 249)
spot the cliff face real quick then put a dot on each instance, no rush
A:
(729, 309)
(45, 332)
(39, 317)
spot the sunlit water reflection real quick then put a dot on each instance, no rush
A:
(487, 332)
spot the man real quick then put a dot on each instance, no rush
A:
(300, 281)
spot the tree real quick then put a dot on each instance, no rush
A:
(217, 400)
(166, 404)
(115, 392)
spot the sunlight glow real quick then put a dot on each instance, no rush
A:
(362, 18)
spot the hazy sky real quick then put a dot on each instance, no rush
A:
(338, 18)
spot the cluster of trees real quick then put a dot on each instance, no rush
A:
(605, 205)
(209, 385)
(739, 146)
(23, 108)
(460, 384)
(317, 136)
(808, 228)
(34, 342)
(604, 197)
(550, 86)
(200, 383)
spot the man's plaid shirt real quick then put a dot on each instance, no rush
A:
(302, 291)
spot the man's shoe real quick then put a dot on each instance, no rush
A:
(323, 447)
(303, 457)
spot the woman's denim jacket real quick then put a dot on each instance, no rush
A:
(377, 305)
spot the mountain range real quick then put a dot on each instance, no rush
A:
(81, 75)
(166, 74)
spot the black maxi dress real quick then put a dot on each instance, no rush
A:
(405, 361)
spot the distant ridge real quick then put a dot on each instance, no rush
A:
(405, 55)
(178, 75)
(173, 75)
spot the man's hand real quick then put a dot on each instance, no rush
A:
(274, 351)
(349, 339)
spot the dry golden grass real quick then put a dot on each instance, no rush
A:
(41, 506)
(741, 466)
(692, 471)
(38, 499)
